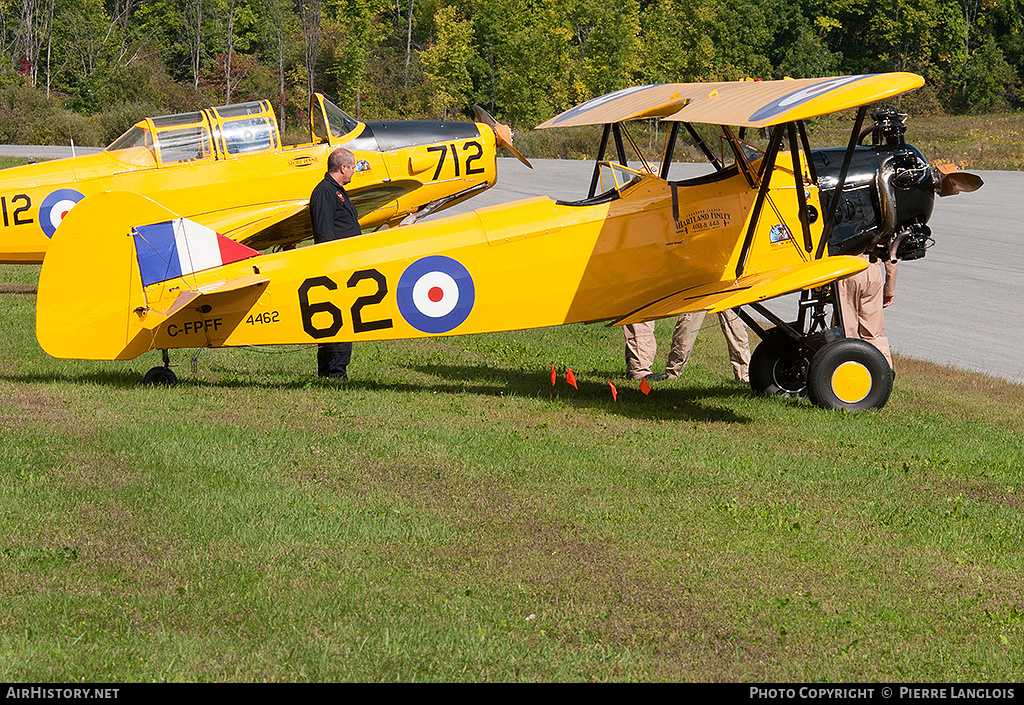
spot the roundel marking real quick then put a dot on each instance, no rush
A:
(55, 207)
(786, 102)
(435, 294)
(601, 100)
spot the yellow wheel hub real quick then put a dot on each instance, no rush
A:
(851, 382)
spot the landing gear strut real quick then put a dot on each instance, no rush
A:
(810, 358)
(161, 375)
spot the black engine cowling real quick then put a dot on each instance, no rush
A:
(888, 195)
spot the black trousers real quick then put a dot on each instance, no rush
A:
(332, 359)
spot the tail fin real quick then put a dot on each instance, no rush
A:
(92, 289)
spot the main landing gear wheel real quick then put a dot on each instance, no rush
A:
(779, 366)
(849, 374)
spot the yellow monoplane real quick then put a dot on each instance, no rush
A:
(761, 223)
(227, 169)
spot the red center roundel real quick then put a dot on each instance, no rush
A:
(435, 294)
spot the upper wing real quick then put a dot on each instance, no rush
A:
(740, 103)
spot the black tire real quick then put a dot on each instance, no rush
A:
(851, 375)
(779, 366)
(162, 376)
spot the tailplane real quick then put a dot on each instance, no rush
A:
(117, 267)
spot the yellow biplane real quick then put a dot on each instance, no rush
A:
(226, 169)
(126, 274)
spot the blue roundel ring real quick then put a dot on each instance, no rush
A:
(54, 206)
(792, 100)
(435, 294)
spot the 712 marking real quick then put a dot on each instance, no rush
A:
(477, 153)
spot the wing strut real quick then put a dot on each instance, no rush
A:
(833, 206)
(807, 151)
(798, 182)
(741, 158)
(670, 148)
(699, 141)
(767, 165)
(620, 147)
(600, 158)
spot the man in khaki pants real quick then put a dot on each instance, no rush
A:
(862, 298)
(641, 346)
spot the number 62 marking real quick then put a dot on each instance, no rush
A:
(337, 322)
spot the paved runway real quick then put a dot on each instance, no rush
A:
(37, 151)
(962, 305)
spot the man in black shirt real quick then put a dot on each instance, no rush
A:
(334, 217)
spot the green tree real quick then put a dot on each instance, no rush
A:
(446, 62)
(676, 40)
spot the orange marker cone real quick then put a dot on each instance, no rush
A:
(570, 378)
(615, 392)
(552, 375)
(645, 386)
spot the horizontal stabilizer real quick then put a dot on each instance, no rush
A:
(721, 296)
(194, 297)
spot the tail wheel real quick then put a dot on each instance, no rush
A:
(163, 376)
(779, 366)
(849, 374)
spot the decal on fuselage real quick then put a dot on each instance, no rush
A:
(702, 220)
(435, 294)
(474, 151)
(190, 327)
(779, 234)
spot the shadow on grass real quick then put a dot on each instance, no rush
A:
(118, 379)
(691, 402)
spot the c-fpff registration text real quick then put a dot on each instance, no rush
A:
(37, 693)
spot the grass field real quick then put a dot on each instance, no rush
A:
(448, 515)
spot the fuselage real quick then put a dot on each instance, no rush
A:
(227, 169)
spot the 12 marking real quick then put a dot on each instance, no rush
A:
(18, 214)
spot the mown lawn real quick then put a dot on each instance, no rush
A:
(448, 515)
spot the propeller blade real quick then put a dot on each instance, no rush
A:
(954, 181)
(502, 133)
